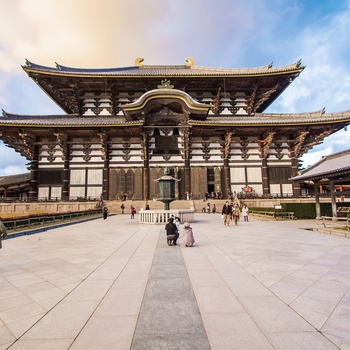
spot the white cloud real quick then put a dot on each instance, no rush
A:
(224, 33)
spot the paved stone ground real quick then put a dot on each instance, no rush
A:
(115, 284)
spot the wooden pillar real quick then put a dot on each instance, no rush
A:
(34, 164)
(5, 192)
(66, 175)
(265, 177)
(187, 165)
(333, 199)
(105, 186)
(226, 179)
(146, 170)
(294, 164)
(317, 201)
(187, 176)
(145, 181)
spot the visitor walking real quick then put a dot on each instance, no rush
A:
(105, 212)
(122, 207)
(236, 213)
(226, 213)
(245, 212)
(132, 211)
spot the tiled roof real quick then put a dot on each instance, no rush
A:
(162, 70)
(328, 166)
(9, 119)
(277, 119)
(64, 120)
(14, 179)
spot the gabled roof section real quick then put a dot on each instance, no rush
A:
(337, 164)
(18, 179)
(71, 87)
(161, 70)
(258, 119)
(165, 96)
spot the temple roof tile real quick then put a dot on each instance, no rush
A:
(255, 119)
(326, 167)
(162, 70)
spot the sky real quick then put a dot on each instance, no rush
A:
(215, 33)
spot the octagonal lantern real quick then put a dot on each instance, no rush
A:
(166, 189)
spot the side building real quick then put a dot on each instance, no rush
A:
(122, 126)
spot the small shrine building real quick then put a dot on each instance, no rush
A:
(121, 127)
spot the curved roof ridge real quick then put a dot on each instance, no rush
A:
(268, 68)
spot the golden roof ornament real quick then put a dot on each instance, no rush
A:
(138, 62)
(190, 61)
(165, 85)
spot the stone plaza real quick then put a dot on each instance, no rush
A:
(116, 284)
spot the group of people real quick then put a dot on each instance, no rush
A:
(209, 209)
(172, 229)
(231, 211)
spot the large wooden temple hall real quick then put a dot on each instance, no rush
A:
(121, 127)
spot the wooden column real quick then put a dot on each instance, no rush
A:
(105, 187)
(34, 164)
(317, 201)
(146, 171)
(66, 173)
(66, 176)
(226, 179)
(294, 163)
(187, 176)
(265, 177)
(187, 164)
(105, 156)
(333, 199)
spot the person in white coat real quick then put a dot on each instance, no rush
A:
(188, 237)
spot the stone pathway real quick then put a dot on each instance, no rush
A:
(115, 284)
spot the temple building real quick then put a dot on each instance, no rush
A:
(121, 127)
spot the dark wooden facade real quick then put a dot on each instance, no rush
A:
(123, 126)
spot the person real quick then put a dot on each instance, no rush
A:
(226, 212)
(177, 223)
(236, 213)
(214, 209)
(132, 211)
(147, 206)
(3, 232)
(188, 237)
(245, 213)
(171, 232)
(105, 212)
(122, 207)
(208, 208)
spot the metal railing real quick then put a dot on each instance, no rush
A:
(41, 220)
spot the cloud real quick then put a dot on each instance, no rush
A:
(11, 162)
(224, 33)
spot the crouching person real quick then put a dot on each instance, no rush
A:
(188, 237)
(171, 232)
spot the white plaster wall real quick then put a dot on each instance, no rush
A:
(77, 177)
(95, 176)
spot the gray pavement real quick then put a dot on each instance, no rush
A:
(115, 284)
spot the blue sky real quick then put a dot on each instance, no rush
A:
(216, 33)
